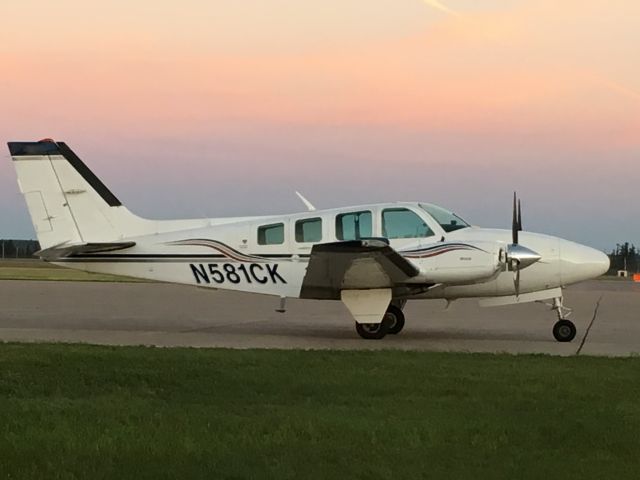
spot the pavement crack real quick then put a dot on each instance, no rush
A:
(593, 319)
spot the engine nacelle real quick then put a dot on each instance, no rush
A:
(457, 263)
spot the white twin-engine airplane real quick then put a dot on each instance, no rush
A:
(372, 257)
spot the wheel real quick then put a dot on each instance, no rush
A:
(564, 331)
(372, 331)
(395, 319)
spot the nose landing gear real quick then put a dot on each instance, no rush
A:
(563, 330)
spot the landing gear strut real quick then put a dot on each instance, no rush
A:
(392, 322)
(564, 330)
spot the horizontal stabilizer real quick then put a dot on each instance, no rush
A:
(55, 253)
(354, 265)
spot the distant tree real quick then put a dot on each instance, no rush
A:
(9, 249)
(625, 256)
(18, 248)
(31, 248)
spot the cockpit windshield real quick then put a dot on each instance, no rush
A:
(449, 221)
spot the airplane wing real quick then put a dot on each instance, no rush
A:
(354, 265)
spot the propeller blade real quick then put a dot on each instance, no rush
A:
(514, 221)
(517, 256)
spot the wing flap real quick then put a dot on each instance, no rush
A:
(354, 265)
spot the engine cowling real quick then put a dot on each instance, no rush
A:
(457, 263)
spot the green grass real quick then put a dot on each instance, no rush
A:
(39, 270)
(99, 412)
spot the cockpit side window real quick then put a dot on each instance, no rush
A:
(353, 225)
(403, 223)
(449, 221)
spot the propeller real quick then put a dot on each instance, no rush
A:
(517, 256)
(515, 223)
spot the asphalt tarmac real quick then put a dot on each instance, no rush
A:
(172, 315)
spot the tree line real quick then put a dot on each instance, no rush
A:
(18, 248)
(625, 257)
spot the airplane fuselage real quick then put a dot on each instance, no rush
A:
(232, 256)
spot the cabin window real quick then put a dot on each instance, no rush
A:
(353, 225)
(309, 230)
(271, 234)
(403, 223)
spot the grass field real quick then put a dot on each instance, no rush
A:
(27, 269)
(101, 412)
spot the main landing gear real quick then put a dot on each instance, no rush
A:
(392, 322)
(563, 330)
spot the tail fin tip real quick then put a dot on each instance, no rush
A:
(47, 146)
(33, 149)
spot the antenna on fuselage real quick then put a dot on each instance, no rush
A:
(306, 202)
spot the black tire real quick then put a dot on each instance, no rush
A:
(395, 319)
(564, 331)
(372, 331)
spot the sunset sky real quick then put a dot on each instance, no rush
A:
(226, 107)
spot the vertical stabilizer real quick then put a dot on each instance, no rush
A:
(68, 204)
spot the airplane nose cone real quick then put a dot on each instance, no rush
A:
(579, 262)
